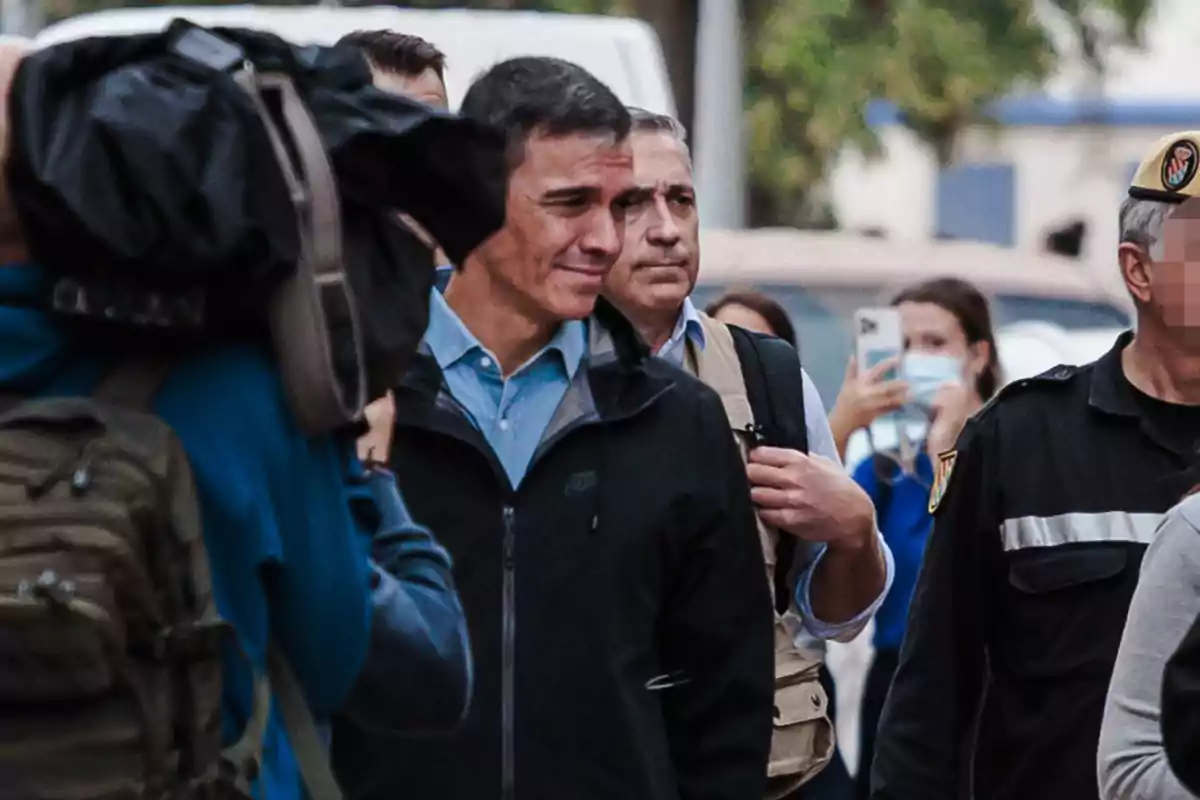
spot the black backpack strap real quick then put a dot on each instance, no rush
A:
(774, 387)
(775, 390)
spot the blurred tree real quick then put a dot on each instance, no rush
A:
(817, 63)
(676, 23)
(1087, 19)
(809, 78)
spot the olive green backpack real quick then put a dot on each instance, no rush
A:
(110, 642)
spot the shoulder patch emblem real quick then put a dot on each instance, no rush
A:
(941, 477)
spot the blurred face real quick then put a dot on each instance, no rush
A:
(564, 225)
(657, 268)
(1166, 280)
(748, 318)
(426, 87)
(929, 328)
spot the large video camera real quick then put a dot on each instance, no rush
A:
(222, 183)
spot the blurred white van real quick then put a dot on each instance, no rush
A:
(1046, 310)
(621, 51)
(822, 277)
(1030, 348)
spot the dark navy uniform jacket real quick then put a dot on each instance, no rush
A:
(1056, 488)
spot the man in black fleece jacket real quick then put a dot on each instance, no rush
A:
(596, 507)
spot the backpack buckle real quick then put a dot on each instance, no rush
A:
(192, 640)
(48, 588)
(755, 435)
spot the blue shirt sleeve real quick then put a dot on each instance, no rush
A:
(820, 439)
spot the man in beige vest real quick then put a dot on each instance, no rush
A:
(844, 569)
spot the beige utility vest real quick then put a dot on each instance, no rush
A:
(804, 738)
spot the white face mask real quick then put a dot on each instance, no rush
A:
(925, 374)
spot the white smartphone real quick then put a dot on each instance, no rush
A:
(877, 337)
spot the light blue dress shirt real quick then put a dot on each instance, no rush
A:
(512, 413)
(688, 328)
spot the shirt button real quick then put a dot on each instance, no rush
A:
(503, 424)
(485, 362)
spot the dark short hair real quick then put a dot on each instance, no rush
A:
(398, 53)
(974, 315)
(775, 314)
(536, 94)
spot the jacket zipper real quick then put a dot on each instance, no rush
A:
(507, 691)
(508, 649)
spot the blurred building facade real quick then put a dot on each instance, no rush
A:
(1061, 155)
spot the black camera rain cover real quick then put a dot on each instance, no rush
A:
(133, 165)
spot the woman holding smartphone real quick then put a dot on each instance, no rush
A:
(947, 370)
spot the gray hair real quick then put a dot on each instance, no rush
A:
(649, 122)
(1142, 224)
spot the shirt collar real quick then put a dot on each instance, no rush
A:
(1112, 393)
(689, 324)
(449, 340)
(688, 328)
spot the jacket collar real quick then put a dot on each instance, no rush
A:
(448, 340)
(610, 334)
(1110, 390)
(614, 383)
(1112, 393)
(689, 333)
(613, 335)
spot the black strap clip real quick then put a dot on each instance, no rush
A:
(755, 435)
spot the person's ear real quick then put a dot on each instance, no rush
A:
(1136, 270)
(980, 357)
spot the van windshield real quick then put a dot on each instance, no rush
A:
(823, 321)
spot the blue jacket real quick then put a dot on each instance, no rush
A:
(288, 558)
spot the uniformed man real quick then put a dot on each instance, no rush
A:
(1041, 517)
